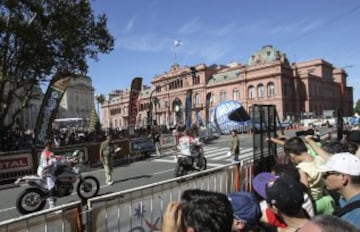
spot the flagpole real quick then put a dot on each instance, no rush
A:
(174, 54)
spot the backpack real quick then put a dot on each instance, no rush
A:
(347, 208)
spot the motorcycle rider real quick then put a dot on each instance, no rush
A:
(185, 145)
(46, 170)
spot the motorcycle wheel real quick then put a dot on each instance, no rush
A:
(88, 187)
(179, 170)
(201, 163)
(31, 200)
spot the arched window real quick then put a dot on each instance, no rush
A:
(236, 94)
(260, 91)
(270, 89)
(251, 92)
(197, 99)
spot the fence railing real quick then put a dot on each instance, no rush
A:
(62, 218)
(137, 209)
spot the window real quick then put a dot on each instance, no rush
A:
(236, 94)
(197, 100)
(251, 93)
(222, 95)
(270, 89)
(260, 91)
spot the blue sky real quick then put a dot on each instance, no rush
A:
(223, 31)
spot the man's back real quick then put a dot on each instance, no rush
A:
(185, 144)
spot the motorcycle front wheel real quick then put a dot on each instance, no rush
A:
(31, 200)
(88, 187)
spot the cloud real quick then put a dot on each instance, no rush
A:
(143, 42)
(129, 25)
(190, 27)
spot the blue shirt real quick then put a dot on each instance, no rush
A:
(354, 215)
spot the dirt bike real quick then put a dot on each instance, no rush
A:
(68, 171)
(196, 161)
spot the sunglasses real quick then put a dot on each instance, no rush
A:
(326, 174)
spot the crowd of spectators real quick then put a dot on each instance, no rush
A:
(316, 189)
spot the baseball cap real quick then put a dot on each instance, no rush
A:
(260, 181)
(245, 207)
(343, 162)
(286, 194)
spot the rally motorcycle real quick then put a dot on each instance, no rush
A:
(68, 171)
(195, 162)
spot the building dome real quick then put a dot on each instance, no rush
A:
(268, 54)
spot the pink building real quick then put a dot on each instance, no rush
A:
(267, 78)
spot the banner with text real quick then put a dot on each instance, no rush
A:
(49, 108)
(133, 103)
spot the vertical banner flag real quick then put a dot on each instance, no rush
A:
(188, 106)
(49, 107)
(133, 103)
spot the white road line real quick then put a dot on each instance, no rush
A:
(7, 209)
(174, 161)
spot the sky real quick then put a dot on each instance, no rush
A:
(221, 32)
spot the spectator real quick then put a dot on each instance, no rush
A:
(247, 212)
(199, 211)
(285, 198)
(327, 223)
(342, 175)
(310, 176)
(235, 145)
(354, 139)
(260, 182)
(291, 170)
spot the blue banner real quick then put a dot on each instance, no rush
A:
(188, 106)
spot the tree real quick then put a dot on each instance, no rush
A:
(357, 107)
(40, 38)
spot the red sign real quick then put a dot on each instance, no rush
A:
(15, 162)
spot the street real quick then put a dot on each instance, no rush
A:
(139, 173)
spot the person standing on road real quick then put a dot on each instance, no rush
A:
(155, 134)
(106, 152)
(235, 146)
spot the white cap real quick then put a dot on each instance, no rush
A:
(344, 162)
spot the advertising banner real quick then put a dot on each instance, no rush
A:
(133, 103)
(188, 106)
(49, 108)
(15, 162)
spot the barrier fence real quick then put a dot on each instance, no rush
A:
(62, 218)
(137, 209)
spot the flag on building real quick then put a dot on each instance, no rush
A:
(177, 43)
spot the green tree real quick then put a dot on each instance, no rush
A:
(357, 107)
(40, 38)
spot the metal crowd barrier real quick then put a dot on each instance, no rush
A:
(141, 209)
(137, 209)
(61, 218)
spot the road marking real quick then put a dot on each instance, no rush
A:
(7, 209)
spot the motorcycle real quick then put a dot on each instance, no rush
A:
(68, 171)
(196, 161)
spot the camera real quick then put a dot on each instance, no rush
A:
(305, 132)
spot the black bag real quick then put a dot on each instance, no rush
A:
(347, 208)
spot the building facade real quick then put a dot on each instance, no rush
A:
(78, 99)
(267, 78)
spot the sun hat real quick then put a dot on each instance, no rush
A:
(344, 162)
